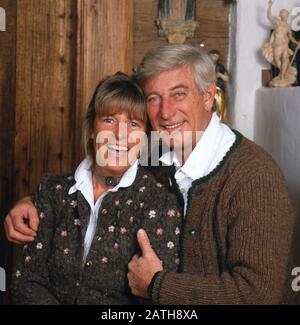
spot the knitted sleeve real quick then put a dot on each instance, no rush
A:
(258, 243)
(30, 284)
(162, 222)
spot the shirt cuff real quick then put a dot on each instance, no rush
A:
(151, 285)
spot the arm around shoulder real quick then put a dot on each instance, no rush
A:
(30, 283)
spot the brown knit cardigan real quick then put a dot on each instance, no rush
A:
(236, 236)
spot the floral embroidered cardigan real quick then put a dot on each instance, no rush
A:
(50, 270)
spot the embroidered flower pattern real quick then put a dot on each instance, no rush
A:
(73, 204)
(104, 260)
(171, 213)
(64, 233)
(142, 189)
(123, 230)
(170, 245)
(159, 185)
(66, 251)
(39, 246)
(76, 222)
(111, 229)
(152, 214)
(128, 202)
(42, 215)
(18, 273)
(27, 259)
(58, 187)
(159, 232)
(177, 231)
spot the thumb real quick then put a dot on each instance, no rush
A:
(33, 219)
(144, 242)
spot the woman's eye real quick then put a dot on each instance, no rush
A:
(133, 124)
(108, 120)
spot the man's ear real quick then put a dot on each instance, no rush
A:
(209, 97)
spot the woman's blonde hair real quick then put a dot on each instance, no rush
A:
(114, 94)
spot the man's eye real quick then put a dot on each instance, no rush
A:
(180, 94)
(153, 99)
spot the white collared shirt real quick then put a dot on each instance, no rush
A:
(84, 184)
(215, 142)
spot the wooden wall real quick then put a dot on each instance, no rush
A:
(212, 15)
(52, 55)
(7, 123)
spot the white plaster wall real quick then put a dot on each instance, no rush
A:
(250, 29)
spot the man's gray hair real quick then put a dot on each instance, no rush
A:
(172, 56)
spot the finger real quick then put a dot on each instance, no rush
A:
(18, 225)
(33, 218)
(132, 265)
(144, 242)
(7, 236)
(15, 236)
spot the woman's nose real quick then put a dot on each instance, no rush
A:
(121, 131)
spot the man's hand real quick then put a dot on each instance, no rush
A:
(17, 231)
(143, 268)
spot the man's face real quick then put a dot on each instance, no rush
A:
(176, 106)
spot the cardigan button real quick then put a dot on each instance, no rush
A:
(77, 284)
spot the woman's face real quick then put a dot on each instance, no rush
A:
(117, 140)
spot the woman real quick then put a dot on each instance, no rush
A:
(88, 222)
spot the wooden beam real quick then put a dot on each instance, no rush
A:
(44, 116)
(104, 46)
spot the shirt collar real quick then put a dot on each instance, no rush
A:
(83, 177)
(202, 158)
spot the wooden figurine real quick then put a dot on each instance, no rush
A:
(277, 50)
(222, 79)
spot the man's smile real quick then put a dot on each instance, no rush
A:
(172, 126)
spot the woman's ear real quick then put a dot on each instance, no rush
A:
(209, 97)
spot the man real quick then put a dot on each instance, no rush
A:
(238, 220)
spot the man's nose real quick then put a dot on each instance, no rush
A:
(167, 110)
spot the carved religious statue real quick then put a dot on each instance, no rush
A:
(222, 79)
(176, 19)
(278, 52)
